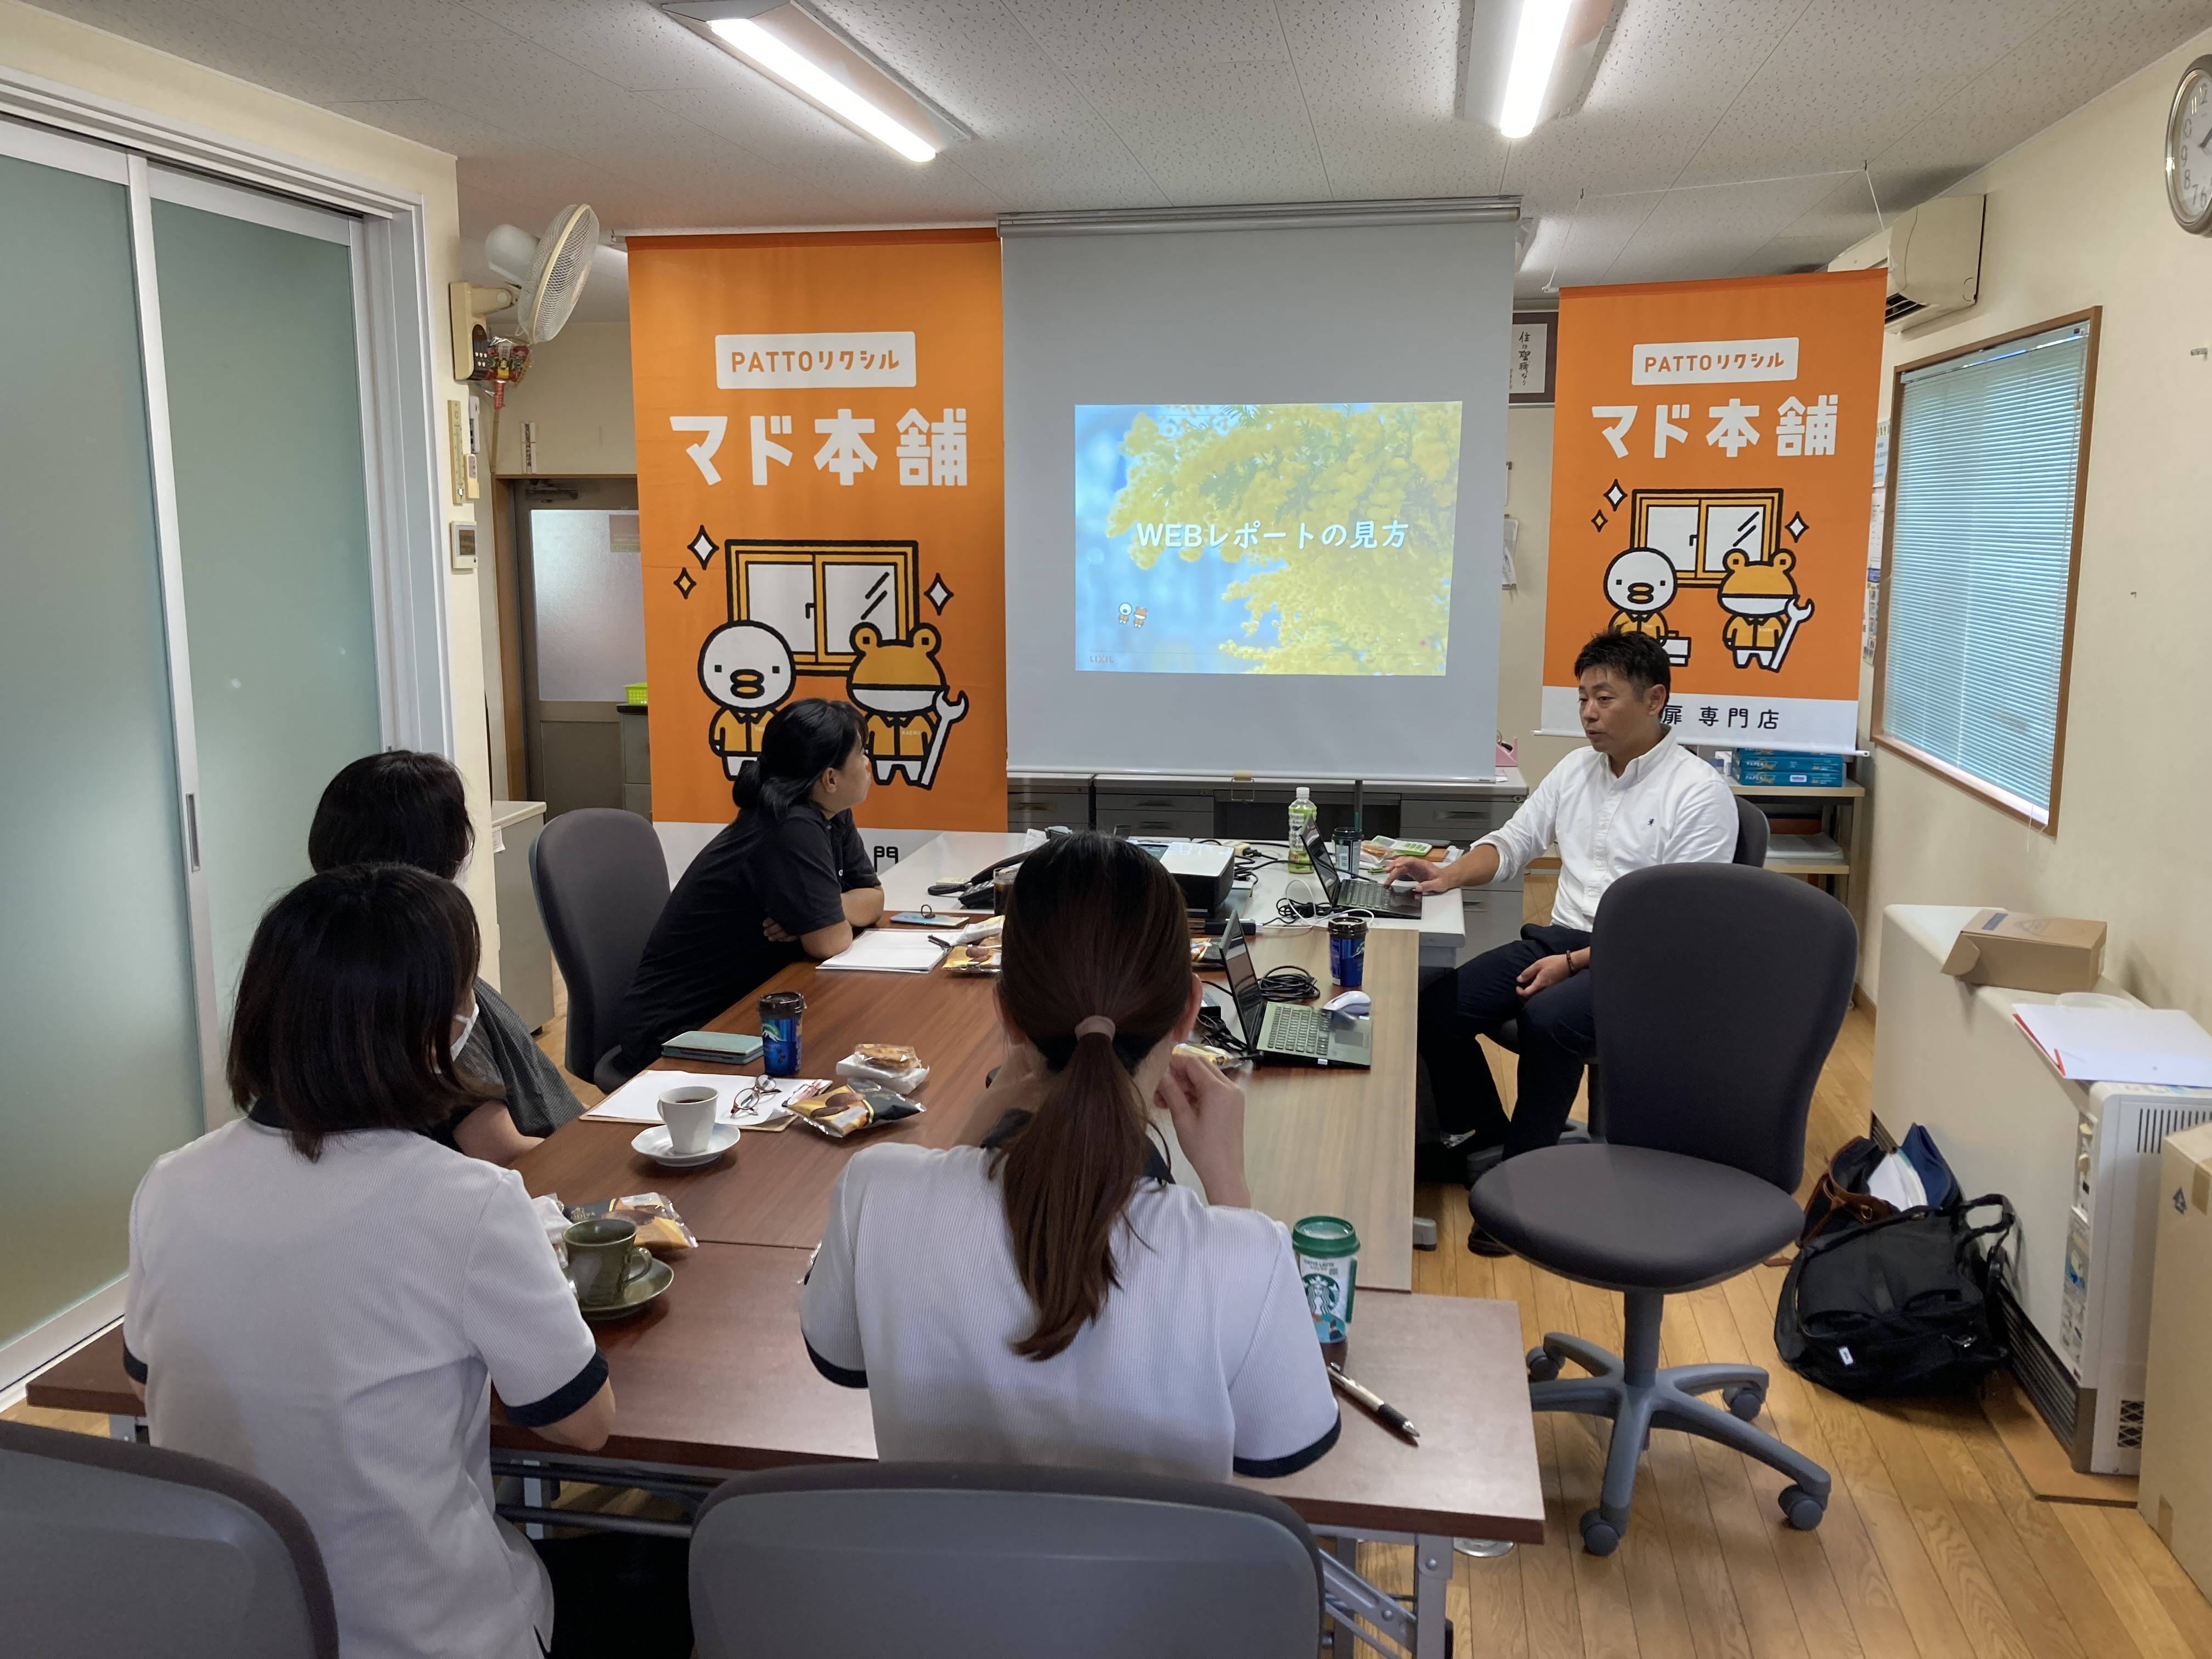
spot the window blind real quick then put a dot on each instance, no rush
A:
(1981, 557)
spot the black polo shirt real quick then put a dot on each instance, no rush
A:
(707, 950)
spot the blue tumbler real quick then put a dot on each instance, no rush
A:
(1347, 950)
(779, 1018)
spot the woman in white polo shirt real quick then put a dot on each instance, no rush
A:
(320, 1295)
(1053, 1297)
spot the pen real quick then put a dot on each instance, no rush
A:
(1388, 1415)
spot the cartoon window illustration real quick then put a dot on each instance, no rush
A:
(815, 594)
(1697, 529)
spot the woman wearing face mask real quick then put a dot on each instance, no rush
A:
(1053, 1297)
(404, 807)
(789, 879)
(321, 1298)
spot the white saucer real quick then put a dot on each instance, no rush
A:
(653, 1143)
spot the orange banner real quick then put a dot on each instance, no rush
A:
(1712, 470)
(822, 509)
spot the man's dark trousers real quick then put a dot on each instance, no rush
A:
(1557, 1039)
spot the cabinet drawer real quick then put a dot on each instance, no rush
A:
(1155, 813)
(1039, 809)
(1461, 818)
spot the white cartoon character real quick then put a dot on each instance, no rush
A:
(745, 666)
(1641, 585)
(1760, 597)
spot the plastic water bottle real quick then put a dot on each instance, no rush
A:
(1303, 814)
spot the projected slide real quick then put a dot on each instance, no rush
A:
(1264, 538)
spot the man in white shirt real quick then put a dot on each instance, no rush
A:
(1634, 798)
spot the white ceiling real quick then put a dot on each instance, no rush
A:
(1720, 137)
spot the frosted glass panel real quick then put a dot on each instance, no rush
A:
(590, 604)
(264, 408)
(101, 1073)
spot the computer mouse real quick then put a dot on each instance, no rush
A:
(1351, 1002)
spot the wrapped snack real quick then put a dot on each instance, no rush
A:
(851, 1108)
(900, 1079)
(658, 1226)
(887, 1056)
(973, 961)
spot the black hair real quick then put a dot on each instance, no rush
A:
(398, 807)
(1637, 658)
(345, 1005)
(803, 740)
(1095, 926)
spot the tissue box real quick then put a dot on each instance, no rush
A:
(2029, 953)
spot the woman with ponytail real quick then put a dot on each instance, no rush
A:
(1052, 1296)
(789, 879)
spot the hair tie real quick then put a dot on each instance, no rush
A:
(1096, 1025)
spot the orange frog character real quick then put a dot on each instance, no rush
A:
(901, 687)
(1760, 597)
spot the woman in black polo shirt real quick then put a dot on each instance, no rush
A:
(788, 880)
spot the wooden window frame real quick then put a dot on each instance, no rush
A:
(2003, 799)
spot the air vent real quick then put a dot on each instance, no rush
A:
(2154, 1126)
(2131, 1425)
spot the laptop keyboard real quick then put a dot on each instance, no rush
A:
(1298, 1032)
(1364, 895)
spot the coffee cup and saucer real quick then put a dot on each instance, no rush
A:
(612, 1274)
(687, 1137)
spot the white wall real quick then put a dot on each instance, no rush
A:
(2077, 217)
(577, 397)
(91, 61)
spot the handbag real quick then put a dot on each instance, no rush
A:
(1901, 1305)
(1840, 1196)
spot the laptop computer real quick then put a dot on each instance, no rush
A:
(1287, 1033)
(1357, 892)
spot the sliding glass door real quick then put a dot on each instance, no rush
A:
(98, 1023)
(190, 646)
(272, 516)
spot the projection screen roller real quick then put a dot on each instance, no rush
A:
(1256, 488)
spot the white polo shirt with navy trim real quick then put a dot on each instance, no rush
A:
(1203, 1361)
(334, 1329)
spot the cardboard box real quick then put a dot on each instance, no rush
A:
(2176, 1495)
(2029, 953)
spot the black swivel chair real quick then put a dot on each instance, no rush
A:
(978, 1561)
(1750, 837)
(110, 1547)
(601, 882)
(1717, 992)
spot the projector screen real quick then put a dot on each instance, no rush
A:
(1256, 491)
(1265, 538)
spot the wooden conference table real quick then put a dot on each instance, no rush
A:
(714, 1378)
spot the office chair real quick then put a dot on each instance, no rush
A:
(601, 882)
(110, 1547)
(980, 1561)
(1750, 838)
(1717, 992)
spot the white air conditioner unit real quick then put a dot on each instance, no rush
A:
(1934, 253)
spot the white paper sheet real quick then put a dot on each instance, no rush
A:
(882, 951)
(2120, 1045)
(743, 1100)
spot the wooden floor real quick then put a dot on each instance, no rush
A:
(1933, 1544)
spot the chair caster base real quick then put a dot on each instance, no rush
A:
(1800, 1508)
(1600, 1535)
(1745, 1403)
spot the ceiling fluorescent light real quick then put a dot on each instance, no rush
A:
(1535, 54)
(793, 45)
(818, 85)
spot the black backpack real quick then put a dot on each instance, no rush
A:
(1897, 1306)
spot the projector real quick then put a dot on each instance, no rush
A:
(1202, 869)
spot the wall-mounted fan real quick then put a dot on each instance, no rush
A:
(547, 273)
